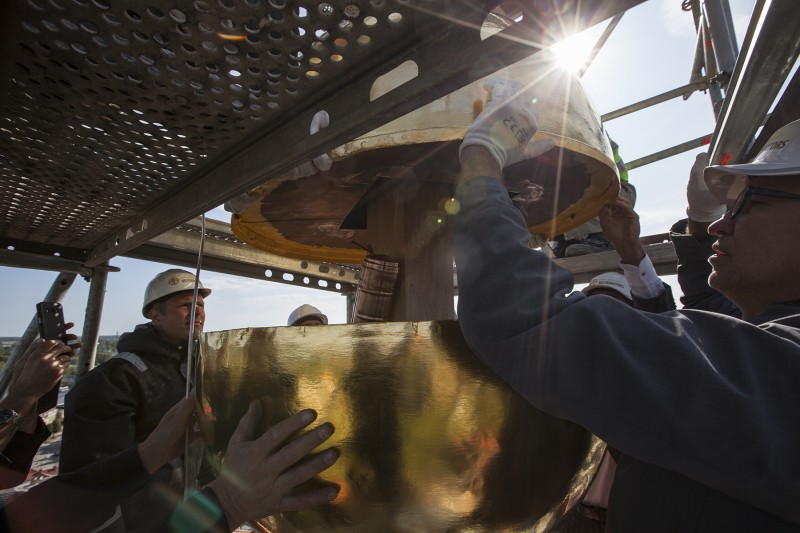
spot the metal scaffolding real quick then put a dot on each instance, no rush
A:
(214, 149)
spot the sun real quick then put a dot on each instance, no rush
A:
(572, 52)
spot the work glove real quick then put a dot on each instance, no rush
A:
(506, 125)
(322, 162)
(321, 120)
(703, 206)
(238, 204)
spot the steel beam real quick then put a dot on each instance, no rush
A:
(601, 41)
(224, 253)
(684, 91)
(12, 258)
(769, 52)
(720, 26)
(669, 152)
(786, 110)
(91, 321)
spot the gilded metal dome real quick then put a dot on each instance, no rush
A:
(430, 438)
(322, 216)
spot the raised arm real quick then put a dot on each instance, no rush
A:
(688, 406)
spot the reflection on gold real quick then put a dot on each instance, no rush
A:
(430, 439)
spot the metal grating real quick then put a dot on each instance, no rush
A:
(120, 119)
(112, 104)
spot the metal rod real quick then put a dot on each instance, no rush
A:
(350, 304)
(699, 59)
(721, 33)
(694, 6)
(770, 50)
(188, 480)
(91, 321)
(14, 258)
(56, 293)
(599, 44)
(191, 343)
(700, 85)
(669, 152)
(714, 89)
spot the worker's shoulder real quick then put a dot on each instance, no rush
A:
(138, 361)
(121, 367)
(115, 378)
(124, 361)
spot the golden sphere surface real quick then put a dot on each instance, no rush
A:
(430, 439)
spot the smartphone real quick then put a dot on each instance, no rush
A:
(52, 326)
(51, 321)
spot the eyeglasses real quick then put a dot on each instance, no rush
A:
(758, 191)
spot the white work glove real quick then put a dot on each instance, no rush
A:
(309, 168)
(506, 125)
(322, 162)
(703, 206)
(238, 204)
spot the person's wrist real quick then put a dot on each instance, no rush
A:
(149, 457)
(20, 402)
(631, 254)
(226, 502)
(10, 418)
(478, 161)
(30, 421)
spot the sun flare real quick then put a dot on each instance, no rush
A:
(573, 51)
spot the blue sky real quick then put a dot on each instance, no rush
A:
(650, 52)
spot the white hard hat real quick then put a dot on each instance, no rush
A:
(305, 312)
(779, 157)
(609, 280)
(169, 282)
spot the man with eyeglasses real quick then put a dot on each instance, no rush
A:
(701, 406)
(753, 262)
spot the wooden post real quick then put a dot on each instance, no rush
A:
(408, 223)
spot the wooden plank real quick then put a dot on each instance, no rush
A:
(585, 267)
(407, 223)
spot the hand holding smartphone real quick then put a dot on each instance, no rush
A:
(52, 325)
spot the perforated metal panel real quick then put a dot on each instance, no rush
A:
(112, 104)
(112, 112)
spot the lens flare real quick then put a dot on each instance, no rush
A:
(230, 37)
(573, 51)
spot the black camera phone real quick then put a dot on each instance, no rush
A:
(51, 321)
(52, 326)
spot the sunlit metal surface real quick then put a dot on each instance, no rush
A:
(430, 439)
(320, 217)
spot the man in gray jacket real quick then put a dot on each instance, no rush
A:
(702, 406)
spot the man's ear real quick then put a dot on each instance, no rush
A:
(153, 314)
